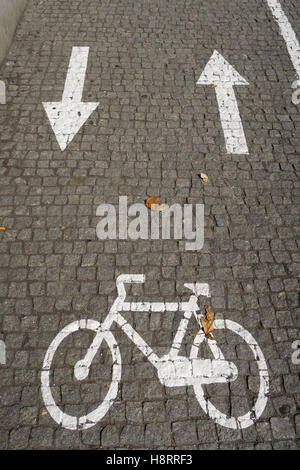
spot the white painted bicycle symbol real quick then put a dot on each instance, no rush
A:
(173, 370)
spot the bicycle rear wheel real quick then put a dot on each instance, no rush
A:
(84, 422)
(249, 418)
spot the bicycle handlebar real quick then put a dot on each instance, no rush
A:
(197, 288)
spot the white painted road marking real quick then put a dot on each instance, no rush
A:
(2, 93)
(296, 93)
(68, 116)
(296, 354)
(2, 352)
(173, 370)
(220, 73)
(288, 33)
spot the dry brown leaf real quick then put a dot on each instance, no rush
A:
(151, 201)
(204, 177)
(152, 204)
(207, 323)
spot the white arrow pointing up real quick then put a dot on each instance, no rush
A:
(220, 73)
(68, 116)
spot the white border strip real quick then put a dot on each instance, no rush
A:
(288, 34)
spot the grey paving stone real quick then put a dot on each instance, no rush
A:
(206, 431)
(282, 428)
(132, 435)
(184, 432)
(18, 438)
(154, 411)
(158, 435)
(110, 436)
(41, 437)
(285, 445)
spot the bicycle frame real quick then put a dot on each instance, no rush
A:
(173, 370)
(114, 315)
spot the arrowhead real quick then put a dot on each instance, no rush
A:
(219, 72)
(67, 118)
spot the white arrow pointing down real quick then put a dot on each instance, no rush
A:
(68, 116)
(220, 73)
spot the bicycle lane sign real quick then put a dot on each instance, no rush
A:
(173, 370)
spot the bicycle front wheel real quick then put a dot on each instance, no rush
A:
(83, 422)
(249, 418)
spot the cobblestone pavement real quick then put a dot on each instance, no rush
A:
(153, 133)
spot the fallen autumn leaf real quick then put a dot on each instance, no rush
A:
(152, 204)
(207, 323)
(204, 177)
